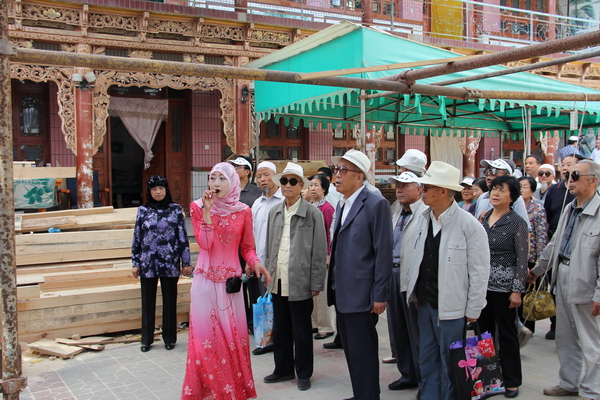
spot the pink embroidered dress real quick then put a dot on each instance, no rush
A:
(218, 362)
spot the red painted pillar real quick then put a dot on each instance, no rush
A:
(470, 155)
(367, 9)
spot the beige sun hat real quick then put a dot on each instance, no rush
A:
(291, 169)
(443, 175)
(357, 158)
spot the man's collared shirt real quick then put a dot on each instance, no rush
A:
(283, 255)
(347, 203)
(260, 220)
(249, 194)
(437, 223)
(398, 230)
(566, 244)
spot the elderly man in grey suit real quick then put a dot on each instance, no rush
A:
(296, 256)
(360, 270)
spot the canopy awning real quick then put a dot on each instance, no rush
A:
(348, 45)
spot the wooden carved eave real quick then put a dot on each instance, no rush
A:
(65, 96)
(107, 78)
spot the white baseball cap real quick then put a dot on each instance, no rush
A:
(240, 161)
(357, 158)
(405, 177)
(413, 160)
(291, 169)
(467, 181)
(443, 175)
(498, 164)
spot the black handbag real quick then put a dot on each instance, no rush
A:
(233, 284)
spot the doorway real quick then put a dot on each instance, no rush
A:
(171, 158)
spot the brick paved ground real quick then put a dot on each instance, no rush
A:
(123, 372)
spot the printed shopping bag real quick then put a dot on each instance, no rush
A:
(263, 320)
(474, 367)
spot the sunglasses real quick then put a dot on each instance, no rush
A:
(493, 171)
(575, 175)
(343, 169)
(427, 187)
(547, 174)
(284, 181)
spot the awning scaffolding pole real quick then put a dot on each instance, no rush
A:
(522, 68)
(584, 40)
(43, 57)
(12, 382)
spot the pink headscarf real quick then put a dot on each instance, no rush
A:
(230, 203)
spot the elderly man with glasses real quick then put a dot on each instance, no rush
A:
(359, 270)
(574, 256)
(296, 257)
(494, 168)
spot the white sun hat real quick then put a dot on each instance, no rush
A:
(442, 175)
(292, 169)
(357, 158)
(413, 160)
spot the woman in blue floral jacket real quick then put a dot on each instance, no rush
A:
(160, 248)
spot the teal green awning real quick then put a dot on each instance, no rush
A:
(348, 45)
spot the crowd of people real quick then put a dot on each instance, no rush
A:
(334, 255)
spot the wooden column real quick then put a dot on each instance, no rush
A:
(550, 146)
(367, 9)
(84, 120)
(242, 118)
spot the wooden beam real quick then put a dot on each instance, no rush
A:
(70, 213)
(51, 348)
(376, 68)
(45, 172)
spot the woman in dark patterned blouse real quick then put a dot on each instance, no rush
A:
(160, 248)
(509, 246)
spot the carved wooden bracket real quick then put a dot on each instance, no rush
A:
(107, 78)
(66, 93)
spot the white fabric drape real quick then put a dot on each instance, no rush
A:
(142, 118)
(446, 149)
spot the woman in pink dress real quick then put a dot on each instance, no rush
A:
(218, 361)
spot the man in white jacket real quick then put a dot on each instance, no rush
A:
(448, 274)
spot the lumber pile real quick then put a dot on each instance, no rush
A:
(78, 281)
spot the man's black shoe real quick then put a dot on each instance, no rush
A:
(278, 378)
(551, 335)
(332, 345)
(304, 384)
(398, 385)
(262, 350)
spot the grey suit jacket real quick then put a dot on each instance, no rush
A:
(361, 255)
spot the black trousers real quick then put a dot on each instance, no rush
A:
(169, 315)
(403, 328)
(497, 314)
(360, 341)
(292, 327)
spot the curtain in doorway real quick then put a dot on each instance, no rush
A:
(446, 148)
(142, 118)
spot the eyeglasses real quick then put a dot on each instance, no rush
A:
(284, 181)
(547, 174)
(343, 169)
(427, 187)
(493, 171)
(575, 175)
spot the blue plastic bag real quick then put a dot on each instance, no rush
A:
(263, 320)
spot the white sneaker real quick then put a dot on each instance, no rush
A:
(389, 360)
(524, 335)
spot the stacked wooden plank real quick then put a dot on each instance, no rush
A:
(79, 281)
